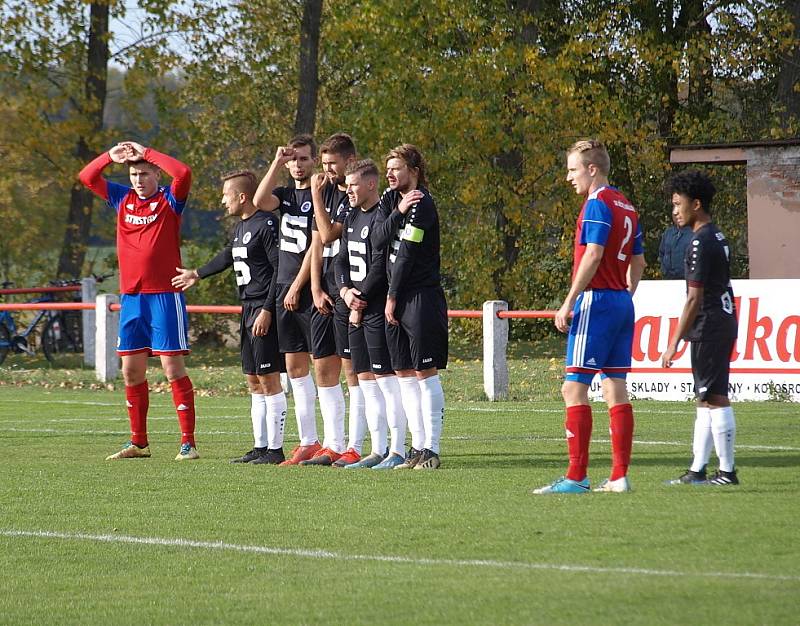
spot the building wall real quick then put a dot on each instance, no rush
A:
(773, 211)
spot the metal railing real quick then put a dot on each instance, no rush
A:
(100, 339)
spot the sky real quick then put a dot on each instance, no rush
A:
(128, 30)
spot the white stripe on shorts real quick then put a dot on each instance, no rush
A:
(579, 349)
(181, 324)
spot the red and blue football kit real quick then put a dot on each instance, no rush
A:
(601, 333)
(153, 317)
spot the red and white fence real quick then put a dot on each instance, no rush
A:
(765, 362)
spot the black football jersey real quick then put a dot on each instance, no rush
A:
(295, 230)
(412, 242)
(253, 253)
(707, 265)
(337, 206)
(359, 264)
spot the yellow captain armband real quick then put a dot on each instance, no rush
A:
(412, 233)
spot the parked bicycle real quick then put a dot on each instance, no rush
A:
(61, 335)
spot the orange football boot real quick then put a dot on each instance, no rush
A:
(324, 456)
(302, 453)
(350, 456)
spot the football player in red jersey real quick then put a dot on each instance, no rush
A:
(153, 319)
(608, 264)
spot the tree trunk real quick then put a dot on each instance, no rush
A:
(697, 33)
(658, 22)
(307, 92)
(509, 162)
(789, 76)
(79, 219)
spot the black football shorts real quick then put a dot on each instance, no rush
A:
(260, 355)
(294, 327)
(369, 351)
(420, 342)
(711, 367)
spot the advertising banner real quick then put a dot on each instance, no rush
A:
(765, 364)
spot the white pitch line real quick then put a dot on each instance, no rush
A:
(532, 438)
(402, 560)
(118, 418)
(671, 443)
(121, 403)
(555, 411)
(82, 402)
(87, 403)
(71, 431)
(498, 409)
(689, 411)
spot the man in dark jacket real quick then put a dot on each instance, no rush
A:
(672, 249)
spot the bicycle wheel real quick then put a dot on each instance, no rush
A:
(5, 341)
(60, 342)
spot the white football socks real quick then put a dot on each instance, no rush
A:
(258, 414)
(723, 428)
(376, 415)
(432, 410)
(703, 441)
(411, 396)
(331, 405)
(395, 416)
(358, 420)
(276, 419)
(304, 395)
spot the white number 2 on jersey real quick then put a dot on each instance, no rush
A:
(241, 268)
(293, 233)
(356, 252)
(628, 223)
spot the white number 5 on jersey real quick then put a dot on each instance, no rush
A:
(241, 268)
(293, 233)
(356, 251)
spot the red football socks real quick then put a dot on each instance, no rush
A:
(183, 398)
(138, 401)
(579, 434)
(621, 427)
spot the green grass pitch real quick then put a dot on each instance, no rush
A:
(84, 541)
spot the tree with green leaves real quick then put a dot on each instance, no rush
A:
(492, 91)
(54, 89)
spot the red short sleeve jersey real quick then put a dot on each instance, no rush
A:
(610, 220)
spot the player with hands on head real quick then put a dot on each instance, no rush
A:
(153, 319)
(294, 303)
(598, 314)
(252, 252)
(708, 322)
